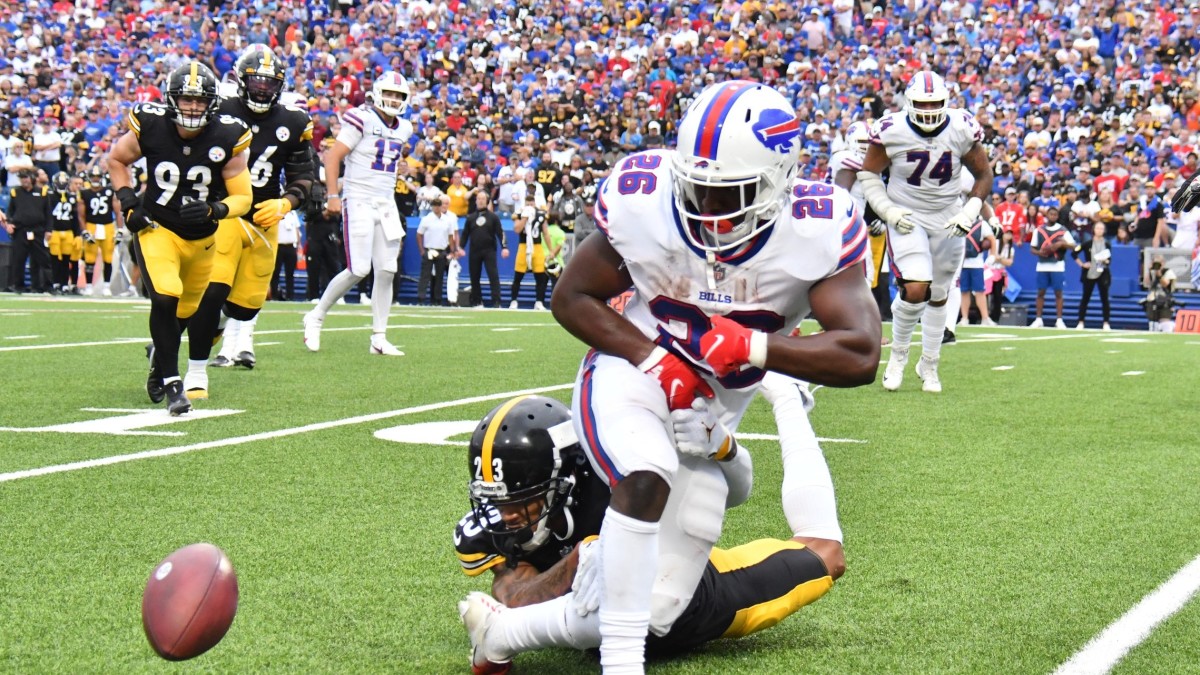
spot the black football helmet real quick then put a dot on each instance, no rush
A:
(62, 182)
(96, 177)
(192, 80)
(260, 78)
(522, 458)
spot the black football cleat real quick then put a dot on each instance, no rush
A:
(245, 360)
(177, 401)
(154, 383)
(948, 337)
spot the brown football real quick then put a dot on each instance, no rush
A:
(189, 602)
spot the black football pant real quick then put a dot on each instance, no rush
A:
(477, 262)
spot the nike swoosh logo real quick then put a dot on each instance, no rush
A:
(675, 385)
(210, 246)
(717, 342)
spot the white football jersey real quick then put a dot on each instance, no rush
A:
(925, 168)
(374, 152)
(850, 160)
(762, 284)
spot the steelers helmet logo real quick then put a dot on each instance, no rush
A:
(282, 134)
(216, 154)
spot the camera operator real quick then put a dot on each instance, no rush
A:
(1159, 302)
(323, 242)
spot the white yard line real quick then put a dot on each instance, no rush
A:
(1104, 651)
(280, 433)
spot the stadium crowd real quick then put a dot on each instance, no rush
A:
(1089, 108)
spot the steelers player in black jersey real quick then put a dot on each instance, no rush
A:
(193, 155)
(97, 208)
(245, 253)
(537, 504)
(63, 230)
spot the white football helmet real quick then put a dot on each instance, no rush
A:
(926, 87)
(737, 134)
(857, 138)
(390, 94)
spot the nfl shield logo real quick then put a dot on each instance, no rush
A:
(719, 272)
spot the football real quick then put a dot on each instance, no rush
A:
(189, 602)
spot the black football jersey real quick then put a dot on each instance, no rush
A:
(282, 131)
(98, 204)
(64, 208)
(534, 228)
(478, 551)
(179, 168)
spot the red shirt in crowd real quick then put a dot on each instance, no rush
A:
(1012, 218)
(1114, 182)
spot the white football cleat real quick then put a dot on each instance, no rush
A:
(1037, 323)
(893, 375)
(776, 387)
(477, 612)
(381, 347)
(927, 371)
(312, 331)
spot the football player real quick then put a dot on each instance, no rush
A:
(538, 504)
(281, 175)
(191, 152)
(925, 145)
(529, 224)
(64, 229)
(726, 251)
(370, 142)
(97, 208)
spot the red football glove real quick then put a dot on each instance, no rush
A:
(679, 382)
(730, 345)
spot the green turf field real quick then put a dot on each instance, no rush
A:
(995, 528)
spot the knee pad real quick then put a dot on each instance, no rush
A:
(692, 523)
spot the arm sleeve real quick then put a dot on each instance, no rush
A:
(240, 194)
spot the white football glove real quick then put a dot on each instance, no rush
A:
(898, 218)
(699, 433)
(588, 584)
(959, 226)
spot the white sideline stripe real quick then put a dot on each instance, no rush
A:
(1104, 651)
(280, 433)
(22, 337)
(146, 339)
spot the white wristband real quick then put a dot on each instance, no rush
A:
(656, 355)
(758, 349)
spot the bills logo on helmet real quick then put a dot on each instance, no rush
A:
(777, 129)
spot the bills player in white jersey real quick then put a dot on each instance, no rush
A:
(726, 251)
(370, 142)
(926, 145)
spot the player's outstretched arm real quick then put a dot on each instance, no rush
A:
(846, 353)
(524, 585)
(125, 152)
(580, 301)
